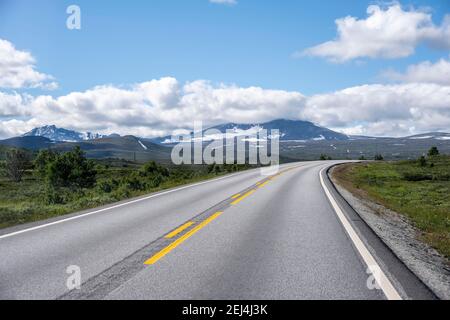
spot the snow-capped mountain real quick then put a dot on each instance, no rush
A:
(289, 130)
(432, 135)
(60, 134)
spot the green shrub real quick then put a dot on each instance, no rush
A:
(54, 196)
(152, 168)
(134, 182)
(417, 176)
(433, 152)
(156, 181)
(123, 192)
(422, 161)
(17, 162)
(107, 186)
(42, 161)
(72, 170)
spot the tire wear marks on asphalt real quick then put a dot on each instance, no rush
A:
(102, 284)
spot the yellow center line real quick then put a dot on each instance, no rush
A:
(180, 240)
(179, 230)
(243, 197)
(275, 176)
(264, 184)
(236, 196)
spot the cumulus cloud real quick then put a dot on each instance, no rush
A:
(17, 69)
(387, 32)
(158, 107)
(383, 110)
(425, 72)
(227, 2)
(152, 108)
(12, 105)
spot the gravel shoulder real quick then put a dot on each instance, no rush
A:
(398, 233)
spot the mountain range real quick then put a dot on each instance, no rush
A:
(289, 130)
(299, 140)
(60, 134)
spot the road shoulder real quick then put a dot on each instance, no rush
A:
(401, 237)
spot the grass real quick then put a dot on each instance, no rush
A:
(26, 201)
(421, 192)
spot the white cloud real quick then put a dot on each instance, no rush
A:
(383, 110)
(157, 107)
(13, 104)
(227, 2)
(17, 69)
(390, 32)
(152, 108)
(425, 72)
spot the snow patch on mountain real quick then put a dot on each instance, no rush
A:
(63, 135)
(142, 145)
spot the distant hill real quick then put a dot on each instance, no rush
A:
(28, 142)
(128, 147)
(300, 140)
(431, 136)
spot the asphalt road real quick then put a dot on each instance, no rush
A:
(243, 236)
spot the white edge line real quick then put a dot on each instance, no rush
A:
(118, 205)
(385, 284)
(115, 206)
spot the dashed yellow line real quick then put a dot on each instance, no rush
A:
(243, 197)
(179, 230)
(180, 240)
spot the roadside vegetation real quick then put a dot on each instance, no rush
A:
(420, 189)
(48, 184)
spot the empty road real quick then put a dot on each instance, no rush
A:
(243, 236)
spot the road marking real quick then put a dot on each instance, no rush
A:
(243, 197)
(381, 278)
(236, 196)
(116, 206)
(179, 230)
(264, 184)
(180, 240)
(122, 205)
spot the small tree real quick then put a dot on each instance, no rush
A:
(72, 169)
(16, 164)
(42, 161)
(152, 168)
(422, 161)
(362, 158)
(378, 157)
(434, 151)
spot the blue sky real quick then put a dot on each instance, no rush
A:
(249, 53)
(248, 44)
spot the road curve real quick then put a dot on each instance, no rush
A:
(243, 236)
